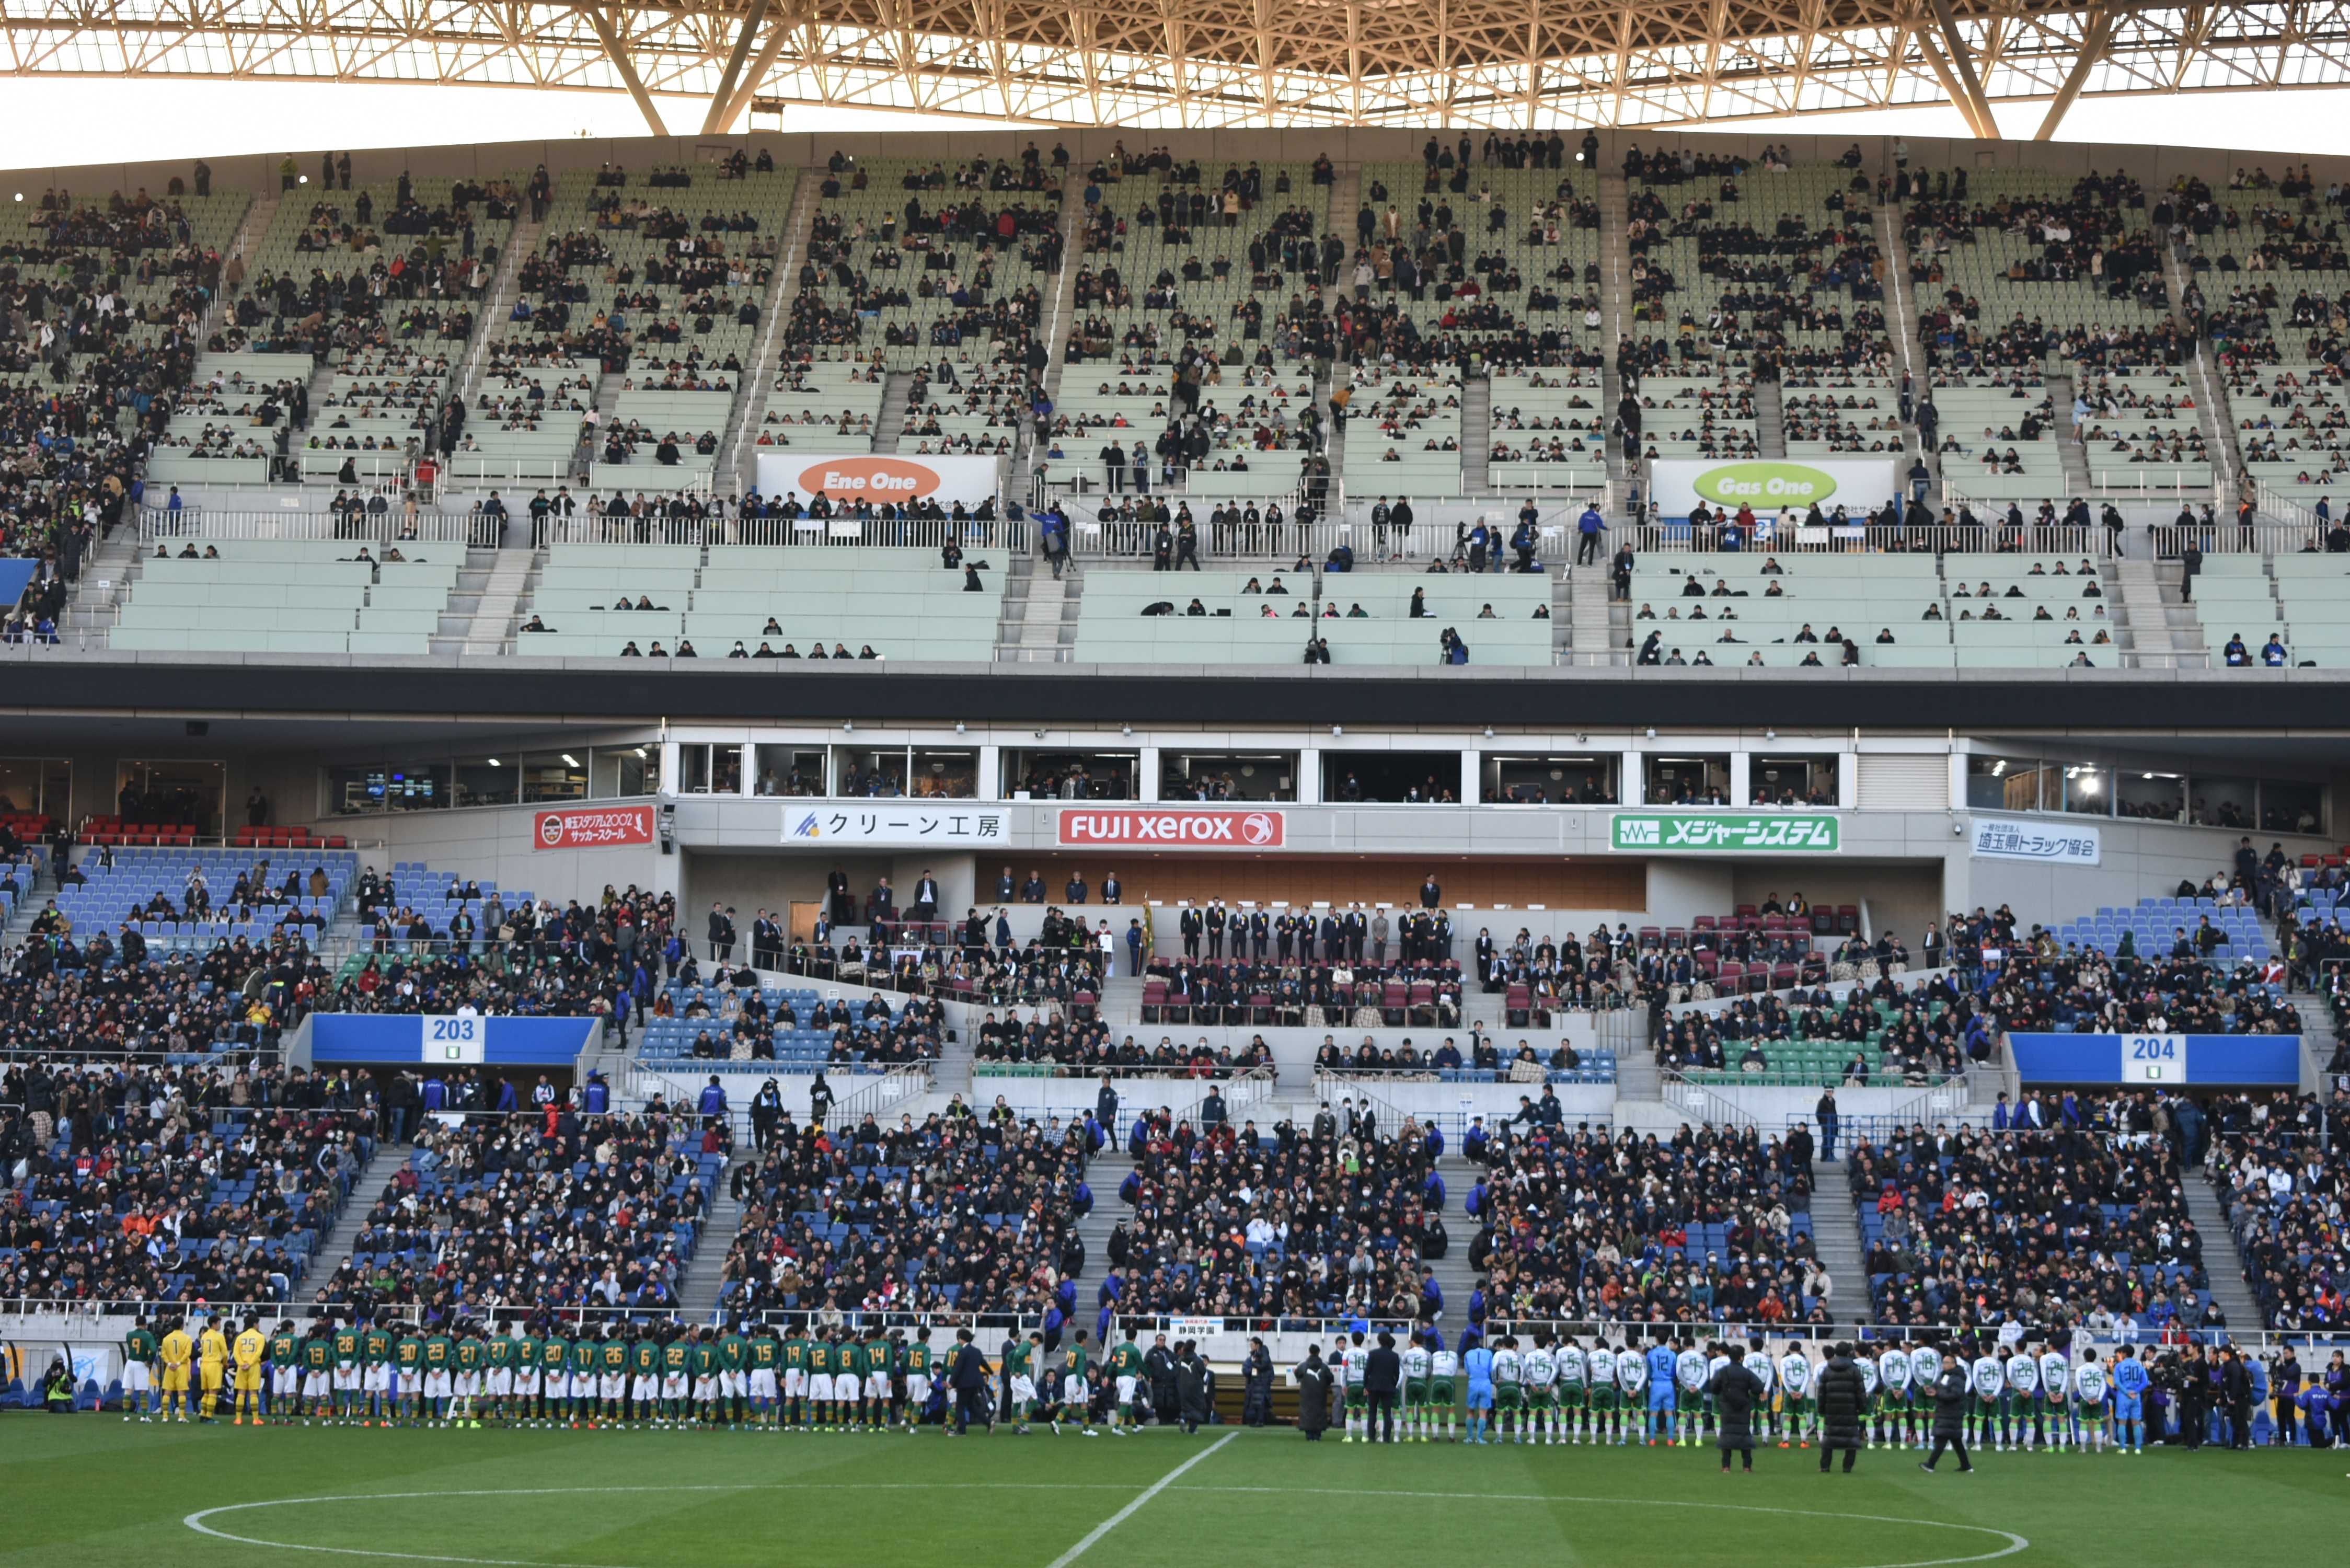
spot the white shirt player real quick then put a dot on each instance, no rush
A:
(1602, 1362)
(1893, 1371)
(2089, 1383)
(1925, 1366)
(1540, 1369)
(1506, 1367)
(1631, 1372)
(2055, 1374)
(1867, 1372)
(1760, 1365)
(1795, 1373)
(1693, 1370)
(1444, 1365)
(1358, 1363)
(1415, 1363)
(1572, 1369)
(2023, 1373)
(2011, 1333)
(1990, 1378)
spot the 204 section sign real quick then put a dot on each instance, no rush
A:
(1716, 833)
(599, 828)
(1173, 829)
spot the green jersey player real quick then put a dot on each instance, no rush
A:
(1020, 1361)
(1695, 1377)
(2089, 1385)
(1508, 1389)
(1892, 1396)
(1541, 1368)
(1127, 1385)
(1443, 1381)
(1870, 1392)
(2023, 1395)
(1415, 1390)
(2055, 1396)
(1925, 1369)
(1798, 1408)
(1573, 1388)
(1986, 1378)
(1604, 1402)
(1632, 1379)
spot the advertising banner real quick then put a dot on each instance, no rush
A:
(593, 827)
(2053, 844)
(868, 476)
(449, 1040)
(1771, 485)
(1172, 828)
(905, 826)
(2158, 1061)
(1725, 833)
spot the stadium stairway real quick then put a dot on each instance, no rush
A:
(1476, 434)
(343, 1240)
(2069, 450)
(696, 1293)
(891, 424)
(739, 456)
(1591, 636)
(2221, 1260)
(508, 579)
(2144, 612)
(1047, 624)
(1835, 1234)
(98, 598)
(1770, 416)
(504, 289)
(1615, 274)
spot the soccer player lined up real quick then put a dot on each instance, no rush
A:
(178, 1352)
(212, 1366)
(138, 1372)
(2130, 1383)
(251, 1349)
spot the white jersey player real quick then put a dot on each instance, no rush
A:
(1892, 1397)
(1925, 1367)
(1606, 1404)
(1575, 1388)
(2056, 1396)
(1443, 1378)
(1800, 1416)
(1690, 1371)
(1541, 1368)
(1987, 1380)
(2024, 1387)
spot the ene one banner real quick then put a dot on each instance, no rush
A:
(865, 476)
(1770, 486)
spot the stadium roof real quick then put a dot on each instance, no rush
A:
(1505, 64)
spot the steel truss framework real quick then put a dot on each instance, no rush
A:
(1204, 64)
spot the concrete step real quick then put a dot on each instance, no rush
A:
(2221, 1260)
(1835, 1237)
(696, 1293)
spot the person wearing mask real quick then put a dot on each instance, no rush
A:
(1950, 1417)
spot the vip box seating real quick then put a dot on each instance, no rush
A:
(787, 1030)
(289, 596)
(2306, 607)
(1998, 435)
(1403, 429)
(1549, 431)
(899, 602)
(1114, 627)
(1133, 406)
(1769, 1043)
(824, 405)
(139, 876)
(1163, 265)
(2153, 925)
(2044, 617)
(915, 260)
(1834, 413)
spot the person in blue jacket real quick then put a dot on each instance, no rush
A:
(2130, 1381)
(1477, 1363)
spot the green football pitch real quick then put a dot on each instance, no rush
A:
(81, 1491)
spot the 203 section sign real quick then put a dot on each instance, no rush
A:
(2154, 1059)
(1171, 828)
(605, 828)
(1718, 833)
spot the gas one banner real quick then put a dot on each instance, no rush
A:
(1171, 827)
(851, 477)
(1857, 484)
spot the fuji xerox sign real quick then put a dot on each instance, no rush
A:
(1165, 827)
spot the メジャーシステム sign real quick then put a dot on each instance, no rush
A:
(1722, 833)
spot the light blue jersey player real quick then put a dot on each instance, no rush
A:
(1477, 1366)
(1663, 1367)
(2130, 1382)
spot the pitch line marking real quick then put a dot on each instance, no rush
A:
(1131, 1509)
(197, 1521)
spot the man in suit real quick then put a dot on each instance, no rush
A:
(844, 907)
(766, 941)
(1382, 1378)
(1190, 925)
(1260, 929)
(1431, 892)
(1031, 891)
(926, 897)
(1112, 889)
(1356, 928)
(967, 1378)
(1211, 925)
(1005, 886)
(721, 933)
(1074, 892)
